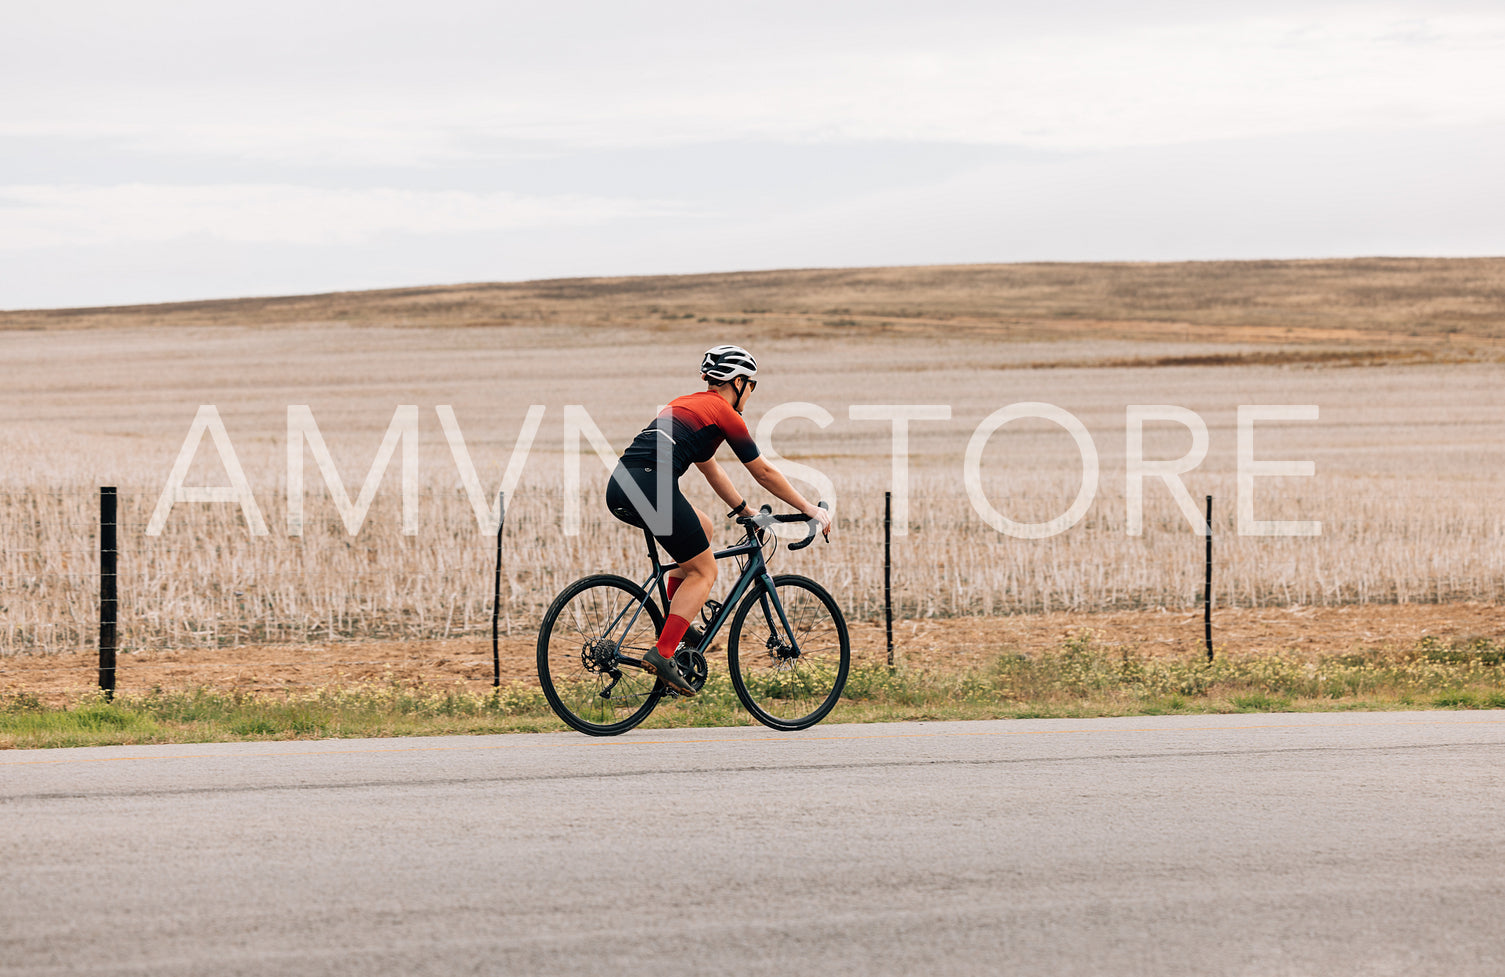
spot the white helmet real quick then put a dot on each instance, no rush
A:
(723, 363)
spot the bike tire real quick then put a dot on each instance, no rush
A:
(789, 682)
(573, 659)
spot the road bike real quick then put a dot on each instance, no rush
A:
(787, 649)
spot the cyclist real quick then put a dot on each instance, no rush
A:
(687, 432)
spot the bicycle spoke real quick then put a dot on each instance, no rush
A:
(590, 625)
(789, 677)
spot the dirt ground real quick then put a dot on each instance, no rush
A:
(932, 644)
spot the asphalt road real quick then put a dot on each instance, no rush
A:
(1259, 845)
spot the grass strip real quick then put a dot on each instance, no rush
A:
(1077, 680)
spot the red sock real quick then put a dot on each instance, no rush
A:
(673, 634)
(671, 584)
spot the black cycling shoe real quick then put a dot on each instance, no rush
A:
(667, 672)
(693, 638)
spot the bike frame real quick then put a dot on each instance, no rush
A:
(755, 572)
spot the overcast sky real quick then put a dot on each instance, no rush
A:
(155, 150)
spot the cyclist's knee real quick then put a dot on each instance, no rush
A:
(703, 566)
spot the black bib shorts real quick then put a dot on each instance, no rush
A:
(686, 537)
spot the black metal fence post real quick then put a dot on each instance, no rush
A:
(108, 592)
(1207, 596)
(888, 594)
(496, 594)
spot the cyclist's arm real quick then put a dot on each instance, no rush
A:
(774, 481)
(720, 483)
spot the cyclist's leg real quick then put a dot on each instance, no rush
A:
(675, 578)
(689, 546)
(698, 576)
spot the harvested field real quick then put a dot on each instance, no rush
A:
(1401, 356)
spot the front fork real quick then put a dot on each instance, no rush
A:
(785, 648)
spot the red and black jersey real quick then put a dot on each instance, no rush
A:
(693, 426)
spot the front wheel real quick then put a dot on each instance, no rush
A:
(588, 645)
(789, 655)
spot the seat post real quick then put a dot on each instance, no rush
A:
(658, 573)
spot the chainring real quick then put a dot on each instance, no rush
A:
(692, 665)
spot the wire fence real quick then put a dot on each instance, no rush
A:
(205, 582)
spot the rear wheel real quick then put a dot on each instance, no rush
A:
(789, 669)
(592, 626)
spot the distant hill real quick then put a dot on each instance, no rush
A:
(1407, 301)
